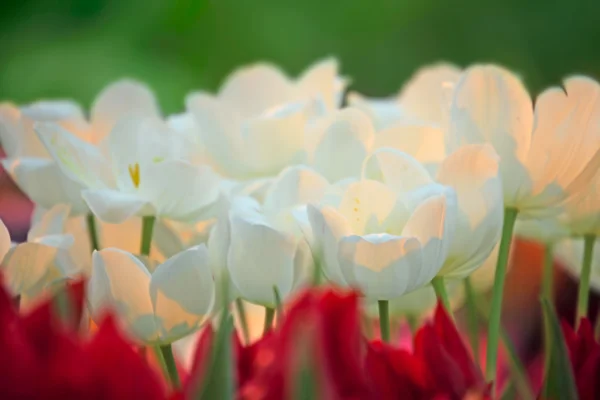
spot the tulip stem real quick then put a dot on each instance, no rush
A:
(269, 315)
(472, 323)
(93, 231)
(440, 291)
(147, 229)
(548, 273)
(241, 310)
(413, 323)
(384, 319)
(510, 217)
(167, 353)
(584, 281)
(278, 306)
(161, 361)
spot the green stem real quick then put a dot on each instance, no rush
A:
(548, 273)
(384, 319)
(241, 310)
(510, 217)
(316, 278)
(161, 360)
(167, 353)
(472, 320)
(93, 231)
(147, 228)
(278, 306)
(584, 281)
(269, 315)
(440, 291)
(413, 323)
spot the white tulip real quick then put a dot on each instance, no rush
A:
(547, 155)
(569, 253)
(143, 171)
(32, 267)
(28, 162)
(157, 307)
(472, 171)
(423, 100)
(545, 230)
(255, 126)
(383, 242)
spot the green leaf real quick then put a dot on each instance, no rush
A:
(560, 383)
(218, 382)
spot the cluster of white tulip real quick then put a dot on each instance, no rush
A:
(271, 184)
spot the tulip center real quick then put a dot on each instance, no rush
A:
(134, 174)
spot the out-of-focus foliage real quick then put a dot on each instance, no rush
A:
(72, 48)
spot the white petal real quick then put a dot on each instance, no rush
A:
(328, 227)
(182, 292)
(5, 242)
(321, 79)
(12, 134)
(51, 223)
(344, 145)
(473, 173)
(45, 184)
(382, 266)
(433, 224)
(491, 105)
(396, 169)
(255, 88)
(179, 190)
(113, 206)
(423, 142)
(121, 283)
(260, 258)
(427, 94)
(220, 127)
(79, 160)
(66, 113)
(122, 98)
(383, 112)
(295, 186)
(167, 239)
(27, 265)
(366, 204)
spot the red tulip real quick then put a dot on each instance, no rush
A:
(584, 352)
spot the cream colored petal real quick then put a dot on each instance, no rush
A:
(182, 291)
(113, 206)
(344, 145)
(472, 171)
(383, 112)
(66, 113)
(433, 224)
(79, 160)
(52, 222)
(5, 242)
(491, 105)
(120, 283)
(424, 142)
(11, 132)
(45, 184)
(396, 169)
(255, 88)
(27, 265)
(380, 265)
(295, 186)
(321, 79)
(328, 227)
(119, 99)
(366, 204)
(260, 258)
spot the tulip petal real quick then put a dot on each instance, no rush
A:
(321, 79)
(52, 222)
(121, 283)
(179, 190)
(182, 293)
(473, 173)
(344, 145)
(256, 88)
(432, 224)
(424, 142)
(12, 134)
(295, 186)
(383, 112)
(366, 205)
(382, 265)
(396, 169)
(67, 114)
(491, 105)
(122, 98)
(5, 243)
(113, 206)
(27, 265)
(79, 160)
(260, 258)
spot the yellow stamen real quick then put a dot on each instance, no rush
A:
(134, 173)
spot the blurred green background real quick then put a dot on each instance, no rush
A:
(72, 48)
